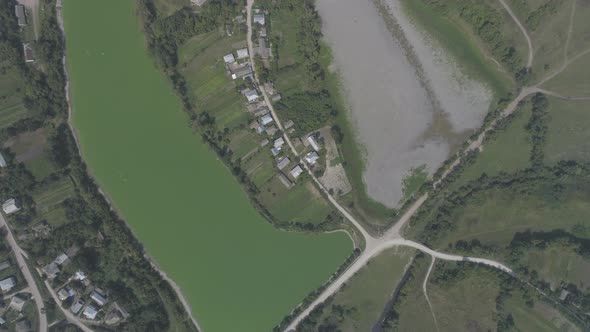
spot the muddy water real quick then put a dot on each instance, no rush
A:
(409, 103)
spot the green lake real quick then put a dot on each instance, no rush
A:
(236, 270)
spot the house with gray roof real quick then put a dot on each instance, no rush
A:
(19, 10)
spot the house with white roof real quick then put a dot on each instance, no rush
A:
(312, 157)
(90, 312)
(314, 144)
(10, 206)
(242, 53)
(259, 19)
(266, 119)
(251, 95)
(7, 284)
(296, 171)
(98, 298)
(229, 58)
(278, 143)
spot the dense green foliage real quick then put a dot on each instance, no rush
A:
(537, 126)
(310, 111)
(487, 25)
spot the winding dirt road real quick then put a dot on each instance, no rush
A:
(529, 63)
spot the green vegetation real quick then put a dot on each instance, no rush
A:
(413, 181)
(495, 31)
(359, 304)
(567, 136)
(461, 43)
(170, 188)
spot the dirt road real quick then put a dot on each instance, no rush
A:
(529, 63)
(22, 264)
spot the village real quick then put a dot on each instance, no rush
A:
(239, 67)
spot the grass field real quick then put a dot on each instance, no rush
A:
(365, 295)
(493, 216)
(465, 305)
(175, 194)
(508, 152)
(49, 198)
(302, 203)
(568, 137)
(32, 149)
(557, 264)
(573, 81)
(285, 27)
(462, 45)
(11, 93)
(260, 167)
(212, 91)
(542, 317)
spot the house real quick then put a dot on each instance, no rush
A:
(61, 259)
(278, 143)
(90, 312)
(296, 171)
(28, 52)
(4, 265)
(242, 71)
(262, 50)
(313, 142)
(283, 163)
(261, 111)
(65, 293)
(2, 161)
(229, 58)
(198, 3)
(275, 151)
(272, 130)
(285, 181)
(23, 326)
(259, 19)
(264, 142)
(251, 95)
(75, 308)
(260, 129)
(79, 275)
(262, 32)
(242, 53)
(266, 119)
(2, 321)
(98, 297)
(7, 284)
(51, 270)
(563, 295)
(10, 206)
(312, 157)
(19, 10)
(276, 97)
(17, 302)
(288, 124)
